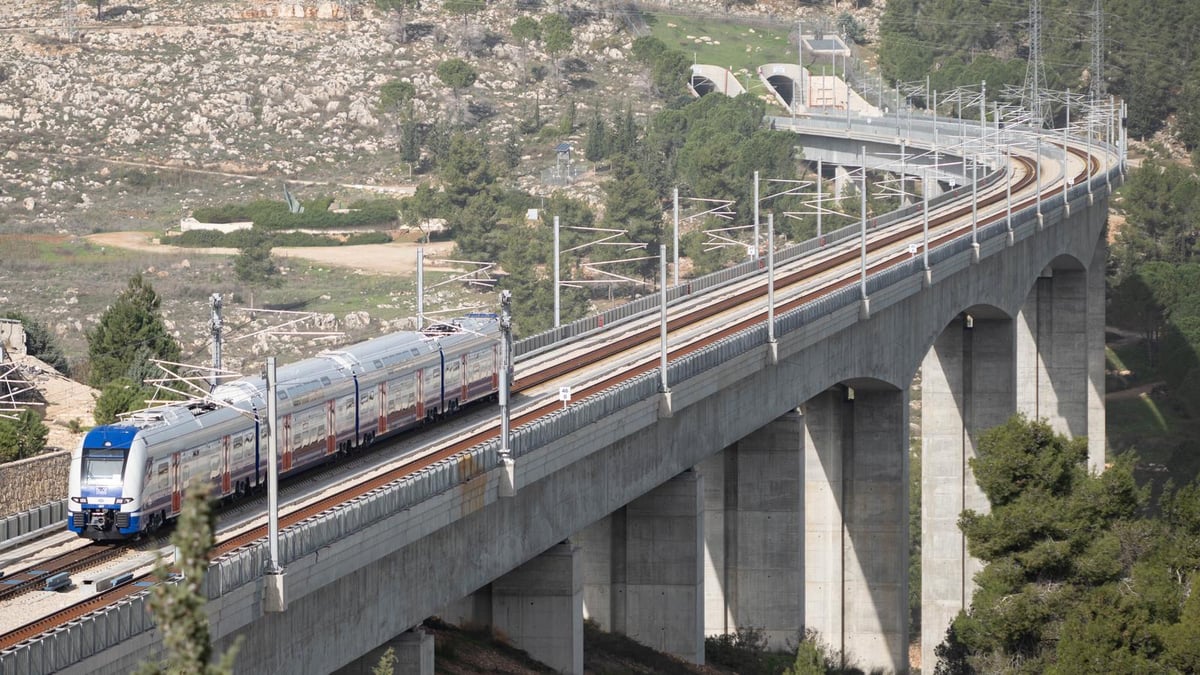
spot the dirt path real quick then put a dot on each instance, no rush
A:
(397, 258)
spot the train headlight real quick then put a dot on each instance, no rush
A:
(122, 500)
(79, 500)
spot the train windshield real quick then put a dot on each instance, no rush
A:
(103, 465)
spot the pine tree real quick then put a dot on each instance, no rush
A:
(458, 75)
(22, 437)
(525, 30)
(630, 204)
(253, 263)
(466, 170)
(178, 601)
(1050, 595)
(410, 135)
(596, 145)
(131, 327)
(120, 396)
(556, 38)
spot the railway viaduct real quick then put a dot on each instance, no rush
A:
(767, 489)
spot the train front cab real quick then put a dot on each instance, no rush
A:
(104, 485)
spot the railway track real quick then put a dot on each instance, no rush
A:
(35, 576)
(837, 260)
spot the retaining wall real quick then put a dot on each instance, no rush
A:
(28, 483)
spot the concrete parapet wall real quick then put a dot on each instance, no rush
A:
(31, 523)
(32, 482)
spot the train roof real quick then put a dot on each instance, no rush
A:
(110, 436)
(247, 393)
(296, 381)
(169, 421)
(467, 328)
(386, 350)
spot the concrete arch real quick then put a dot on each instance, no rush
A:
(702, 85)
(783, 87)
(1068, 261)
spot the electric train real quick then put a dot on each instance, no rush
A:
(128, 478)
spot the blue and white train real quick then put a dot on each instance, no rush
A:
(128, 478)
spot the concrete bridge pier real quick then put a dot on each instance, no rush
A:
(644, 568)
(413, 650)
(664, 578)
(1060, 352)
(931, 188)
(856, 522)
(753, 526)
(842, 181)
(1096, 359)
(539, 606)
(967, 386)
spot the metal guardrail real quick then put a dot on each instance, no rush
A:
(127, 618)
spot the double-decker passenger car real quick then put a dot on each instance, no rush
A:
(128, 478)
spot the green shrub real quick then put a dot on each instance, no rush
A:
(368, 238)
(301, 239)
(274, 215)
(22, 437)
(196, 239)
(120, 396)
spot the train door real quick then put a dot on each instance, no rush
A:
(331, 430)
(285, 443)
(383, 407)
(464, 387)
(419, 390)
(176, 484)
(496, 365)
(226, 481)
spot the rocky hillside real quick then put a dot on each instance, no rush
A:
(161, 106)
(245, 88)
